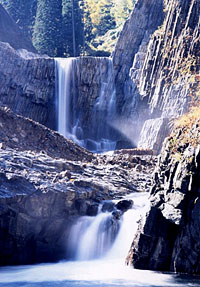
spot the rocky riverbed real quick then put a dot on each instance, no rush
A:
(46, 182)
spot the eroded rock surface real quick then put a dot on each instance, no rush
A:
(47, 182)
(27, 84)
(168, 239)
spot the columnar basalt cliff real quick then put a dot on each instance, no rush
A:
(168, 239)
(155, 65)
(27, 84)
(131, 48)
(158, 72)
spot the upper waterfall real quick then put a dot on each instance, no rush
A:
(86, 101)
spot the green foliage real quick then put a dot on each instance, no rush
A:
(121, 10)
(92, 27)
(72, 23)
(48, 24)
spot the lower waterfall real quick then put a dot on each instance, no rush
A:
(93, 269)
(95, 236)
(85, 115)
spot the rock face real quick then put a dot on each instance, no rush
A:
(145, 19)
(23, 134)
(148, 81)
(168, 239)
(92, 99)
(27, 84)
(47, 182)
(12, 34)
(156, 73)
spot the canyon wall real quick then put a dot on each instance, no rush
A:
(27, 84)
(11, 33)
(168, 238)
(159, 71)
(155, 64)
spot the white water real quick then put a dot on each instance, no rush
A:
(107, 271)
(99, 138)
(64, 67)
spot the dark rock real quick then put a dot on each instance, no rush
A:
(27, 84)
(124, 205)
(46, 183)
(168, 238)
(117, 214)
(92, 209)
(24, 134)
(108, 206)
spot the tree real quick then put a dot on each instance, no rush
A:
(107, 21)
(73, 28)
(121, 10)
(47, 28)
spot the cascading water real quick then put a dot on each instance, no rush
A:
(63, 80)
(95, 236)
(88, 126)
(106, 234)
(107, 271)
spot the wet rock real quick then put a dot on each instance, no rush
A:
(92, 209)
(45, 187)
(124, 205)
(117, 214)
(108, 206)
(168, 237)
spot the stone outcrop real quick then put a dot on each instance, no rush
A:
(156, 70)
(144, 20)
(27, 84)
(47, 182)
(12, 34)
(168, 238)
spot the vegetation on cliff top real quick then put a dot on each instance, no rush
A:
(71, 27)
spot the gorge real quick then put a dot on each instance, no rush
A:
(54, 191)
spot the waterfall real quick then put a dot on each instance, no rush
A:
(91, 238)
(63, 78)
(86, 110)
(105, 235)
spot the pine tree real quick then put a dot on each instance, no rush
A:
(107, 21)
(47, 28)
(73, 25)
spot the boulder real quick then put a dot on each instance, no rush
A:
(124, 205)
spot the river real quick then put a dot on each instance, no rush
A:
(105, 271)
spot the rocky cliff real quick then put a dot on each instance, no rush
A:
(27, 84)
(12, 34)
(153, 70)
(168, 238)
(157, 67)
